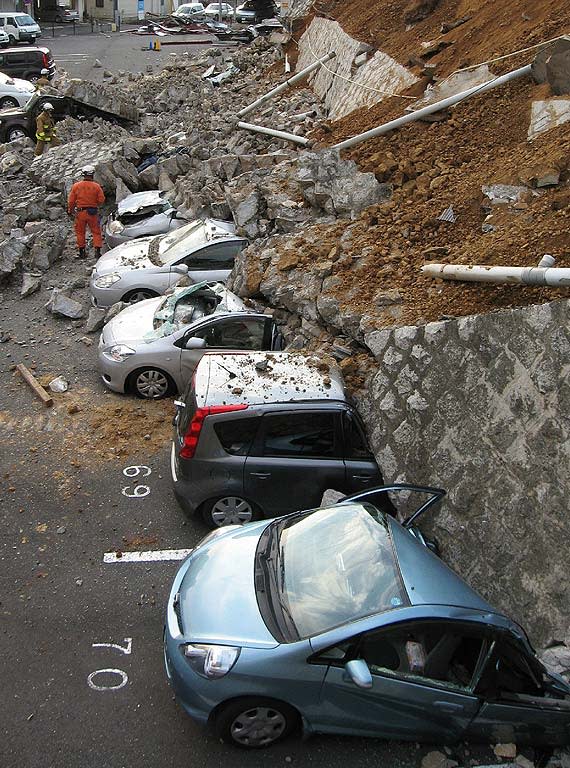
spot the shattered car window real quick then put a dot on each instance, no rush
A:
(184, 307)
(130, 218)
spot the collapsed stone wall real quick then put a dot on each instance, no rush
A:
(480, 406)
(358, 76)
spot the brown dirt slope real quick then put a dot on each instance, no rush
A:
(434, 165)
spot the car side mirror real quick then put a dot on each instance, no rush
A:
(194, 343)
(357, 672)
(180, 269)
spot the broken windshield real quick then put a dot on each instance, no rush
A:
(185, 306)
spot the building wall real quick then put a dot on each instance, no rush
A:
(127, 8)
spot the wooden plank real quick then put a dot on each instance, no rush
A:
(34, 385)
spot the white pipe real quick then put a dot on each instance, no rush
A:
(553, 276)
(291, 81)
(431, 108)
(276, 134)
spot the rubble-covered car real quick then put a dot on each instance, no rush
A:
(204, 249)
(140, 215)
(339, 620)
(18, 122)
(152, 348)
(14, 92)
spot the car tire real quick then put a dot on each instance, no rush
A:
(229, 510)
(8, 101)
(140, 294)
(151, 384)
(16, 133)
(255, 722)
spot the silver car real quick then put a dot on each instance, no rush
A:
(152, 348)
(140, 215)
(14, 92)
(203, 249)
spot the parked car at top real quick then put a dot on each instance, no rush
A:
(14, 92)
(4, 39)
(61, 14)
(339, 620)
(203, 250)
(262, 434)
(219, 10)
(20, 27)
(27, 62)
(152, 348)
(140, 215)
(245, 13)
(188, 10)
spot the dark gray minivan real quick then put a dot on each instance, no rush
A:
(261, 434)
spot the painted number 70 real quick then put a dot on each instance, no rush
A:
(110, 679)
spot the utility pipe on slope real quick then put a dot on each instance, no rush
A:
(556, 277)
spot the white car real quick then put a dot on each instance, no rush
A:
(149, 266)
(215, 9)
(4, 39)
(14, 92)
(189, 9)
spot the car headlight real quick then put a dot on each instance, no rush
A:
(115, 227)
(119, 352)
(211, 661)
(106, 281)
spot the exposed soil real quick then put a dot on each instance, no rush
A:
(434, 165)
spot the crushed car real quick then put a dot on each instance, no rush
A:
(152, 348)
(339, 620)
(140, 215)
(20, 122)
(204, 249)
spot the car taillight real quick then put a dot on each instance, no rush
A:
(45, 60)
(192, 435)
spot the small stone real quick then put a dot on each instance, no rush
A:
(79, 582)
(86, 340)
(505, 750)
(95, 320)
(97, 64)
(31, 283)
(434, 760)
(524, 762)
(61, 530)
(147, 437)
(73, 408)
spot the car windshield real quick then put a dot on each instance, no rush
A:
(330, 567)
(185, 307)
(191, 237)
(25, 21)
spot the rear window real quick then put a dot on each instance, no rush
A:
(236, 435)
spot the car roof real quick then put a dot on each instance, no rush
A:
(256, 378)
(25, 49)
(138, 200)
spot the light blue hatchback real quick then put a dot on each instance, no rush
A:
(341, 620)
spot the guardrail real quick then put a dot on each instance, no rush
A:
(65, 29)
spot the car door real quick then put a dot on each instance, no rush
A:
(362, 471)
(296, 456)
(214, 261)
(421, 673)
(233, 333)
(515, 706)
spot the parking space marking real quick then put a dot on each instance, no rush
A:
(150, 556)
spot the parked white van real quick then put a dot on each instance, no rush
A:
(20, 27)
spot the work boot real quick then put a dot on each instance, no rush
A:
(81, 253)
(97, 253)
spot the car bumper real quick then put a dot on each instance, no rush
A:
(187, 696)
(184, 491)
(113, 374)
(105, 297)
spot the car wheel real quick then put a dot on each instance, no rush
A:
(139, 295)
(151, 384)
(13, 134)
(228, 510)
(8, 101)
(254, 723)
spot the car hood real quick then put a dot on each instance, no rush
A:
(132, 255)
(16, 84)
(132, 323)
(217, 600)
(428, 581)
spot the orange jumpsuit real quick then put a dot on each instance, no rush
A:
(85, 198)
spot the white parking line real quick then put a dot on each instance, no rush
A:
(146, 557)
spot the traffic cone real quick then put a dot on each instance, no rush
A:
(157, 45)
(150, 45)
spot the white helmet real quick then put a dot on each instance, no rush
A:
(88, 170)
(44, 72)
(48, 106)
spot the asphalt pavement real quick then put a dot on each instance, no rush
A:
(83, 682)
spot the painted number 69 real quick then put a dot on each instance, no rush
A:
(139, 491)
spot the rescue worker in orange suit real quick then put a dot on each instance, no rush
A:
(45, 129)
(43, 80)
(85, 198)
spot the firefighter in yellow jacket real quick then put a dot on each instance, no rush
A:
(45, 129)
